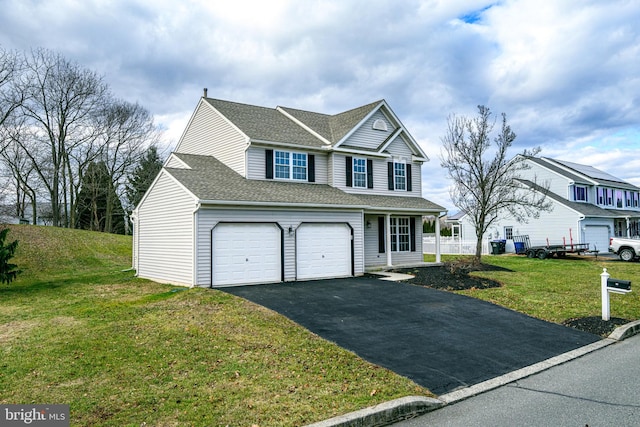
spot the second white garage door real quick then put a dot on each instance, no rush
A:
(323, 251)
(246, 253)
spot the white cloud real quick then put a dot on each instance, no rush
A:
(565, 73)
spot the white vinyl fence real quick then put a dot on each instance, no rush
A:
(453, 246)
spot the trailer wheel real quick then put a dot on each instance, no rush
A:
(542, 254)
(626, 254)
(531, 253)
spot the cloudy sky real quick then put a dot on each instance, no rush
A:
(566, 72)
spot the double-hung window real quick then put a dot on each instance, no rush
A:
(359, 172)
(400, 234)
(290, 165)
(400, 176)
(580, 193)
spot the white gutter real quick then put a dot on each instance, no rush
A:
(279, 204)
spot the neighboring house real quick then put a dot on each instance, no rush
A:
(259, 195)
(589, 206)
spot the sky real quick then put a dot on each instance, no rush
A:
(566, 72)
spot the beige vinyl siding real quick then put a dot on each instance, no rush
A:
(164, 234)
(399, 148)
(228, 145)
(374, 258)
(208, 217)
(368, 138)
(256, 164)
(380, 178)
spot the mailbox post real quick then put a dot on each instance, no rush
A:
(607, 286)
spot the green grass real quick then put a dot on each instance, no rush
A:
(559, 289)
(78, 328)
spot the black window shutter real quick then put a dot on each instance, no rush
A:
(390, 174)
(268, 164)
(349, 170)
(369, 173)
(382, 238)
(311, 163)
(408, 177)
(412, 232)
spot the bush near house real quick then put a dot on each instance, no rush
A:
(77, 328)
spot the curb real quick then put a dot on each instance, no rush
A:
(384, 413)
(625, 331)
(412, 406)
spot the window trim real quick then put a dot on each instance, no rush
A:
(580, 189)
(291, 165)
(398, 243)
(396, 176)
(361, 174)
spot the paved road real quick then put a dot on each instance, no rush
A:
(441, 340)
(599, 389)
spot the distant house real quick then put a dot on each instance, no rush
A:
(589, 206)
(258, 195)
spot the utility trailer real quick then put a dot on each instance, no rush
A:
(559, 251)
(523, 247)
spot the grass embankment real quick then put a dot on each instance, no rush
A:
(558, 289)
(77, 329)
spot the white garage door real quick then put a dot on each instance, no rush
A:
(323, 251)
(246, 253)
(597, 236)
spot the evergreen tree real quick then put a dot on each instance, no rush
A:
(143, 176)
(96, 189)
(8, 271)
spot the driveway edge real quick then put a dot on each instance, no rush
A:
(385, 413)
(625, 331)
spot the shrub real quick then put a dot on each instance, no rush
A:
(8, 271)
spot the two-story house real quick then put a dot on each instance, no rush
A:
(259, 195)
(588, 206)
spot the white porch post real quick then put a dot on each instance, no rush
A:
(388, 238)
(438, 258)
(628, 228)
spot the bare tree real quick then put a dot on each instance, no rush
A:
(486, 185)
(10, 66)
(61, 103)
(129, 131)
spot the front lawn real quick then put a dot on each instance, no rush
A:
(77, 329)
(558, 289)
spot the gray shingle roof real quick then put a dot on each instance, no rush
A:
(266, 124)
(269, 124)
(375, 202)
(212, 181)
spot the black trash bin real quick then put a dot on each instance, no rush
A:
(498, 247)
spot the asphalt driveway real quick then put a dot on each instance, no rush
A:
(441, 340)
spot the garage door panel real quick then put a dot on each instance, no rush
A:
(597, 236)
(323, 251)
(246, 253)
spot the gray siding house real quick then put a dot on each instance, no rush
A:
(589, 206)
(260, 195)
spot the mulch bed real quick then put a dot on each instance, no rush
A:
(454, 276)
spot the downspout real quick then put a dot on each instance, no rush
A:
(388, 237)
(194, 255)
